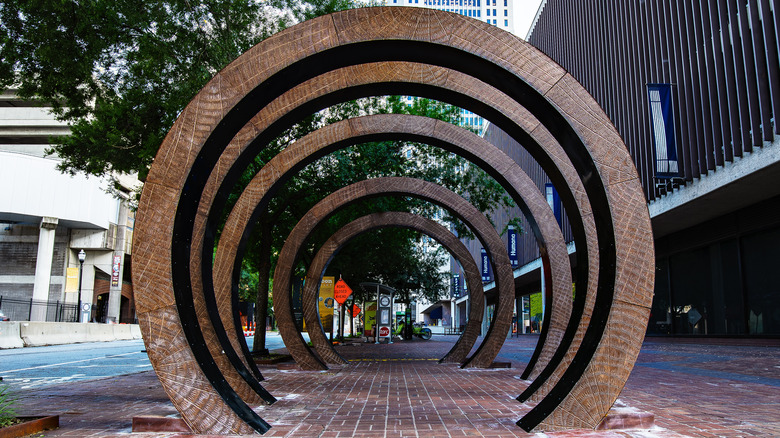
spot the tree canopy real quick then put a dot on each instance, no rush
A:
(119, 72)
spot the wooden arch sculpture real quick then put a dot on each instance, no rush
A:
(376, 51)
(375, 187)
(410, 128)
(433, 229)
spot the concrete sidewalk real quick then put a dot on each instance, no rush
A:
(694, 389)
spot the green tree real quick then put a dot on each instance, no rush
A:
(119, 72)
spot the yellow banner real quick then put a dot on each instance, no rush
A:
(72, 280)
(326, 303)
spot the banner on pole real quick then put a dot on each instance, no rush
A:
(327, 303)
(486, 271)
(72, 280)
(115, 270)
(512, 246)
(370, 318)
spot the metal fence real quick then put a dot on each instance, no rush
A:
(24, 310)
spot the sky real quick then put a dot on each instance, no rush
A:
(525, 11)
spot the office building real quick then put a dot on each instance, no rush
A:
(693, 88)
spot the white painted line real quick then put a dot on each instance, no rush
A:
(68, 363)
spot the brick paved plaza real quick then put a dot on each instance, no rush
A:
(698, 388)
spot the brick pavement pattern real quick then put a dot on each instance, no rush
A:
(693, 390)
(192, 369)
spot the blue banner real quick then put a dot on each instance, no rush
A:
(456, 286)
(511, 246)
(554, 201)
(662, 123)
(486, 273)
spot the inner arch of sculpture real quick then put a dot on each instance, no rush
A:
(410, 73)
(177, 180)
(408, 128)
(386, 186)
(373, 221)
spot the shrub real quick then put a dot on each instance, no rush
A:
(7, 411)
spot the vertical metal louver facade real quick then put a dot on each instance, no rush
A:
(721, 58)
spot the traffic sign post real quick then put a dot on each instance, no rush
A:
(341, 291)
(384, 321)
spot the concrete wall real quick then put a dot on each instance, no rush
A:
(19, 250)
(10, 336)
(36, 334)
(39, 189)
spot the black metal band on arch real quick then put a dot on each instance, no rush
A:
(374, 221)
(431, 54)
(367, 90)
(472, 152)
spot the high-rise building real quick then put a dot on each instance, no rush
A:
(496, 12)
(499, 13)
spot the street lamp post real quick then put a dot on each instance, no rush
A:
(82, 257)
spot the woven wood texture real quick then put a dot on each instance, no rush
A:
(472, 217)
(606, 371)
(449, 241)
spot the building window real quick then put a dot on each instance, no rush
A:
(506, 23)
(506, 13)
(494, 22)
(505, 1)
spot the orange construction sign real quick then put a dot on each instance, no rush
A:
(354, 310)
(341, 291)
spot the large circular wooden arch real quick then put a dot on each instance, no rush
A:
(436, 231)
(541, 365)
(410, 128)
(613, 200)
(388, 186)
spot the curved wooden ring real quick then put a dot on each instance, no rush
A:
(388, 186)
(436, 231)
(602, 361)
(411, 128)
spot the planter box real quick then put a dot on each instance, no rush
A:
(30, 425)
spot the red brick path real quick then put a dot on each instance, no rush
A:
(698, 390)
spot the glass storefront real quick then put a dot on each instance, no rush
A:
(729, 287)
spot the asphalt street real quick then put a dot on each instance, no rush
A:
(33, 367)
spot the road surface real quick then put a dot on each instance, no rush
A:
(33, 367)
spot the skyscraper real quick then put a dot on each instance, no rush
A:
(496, 12)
